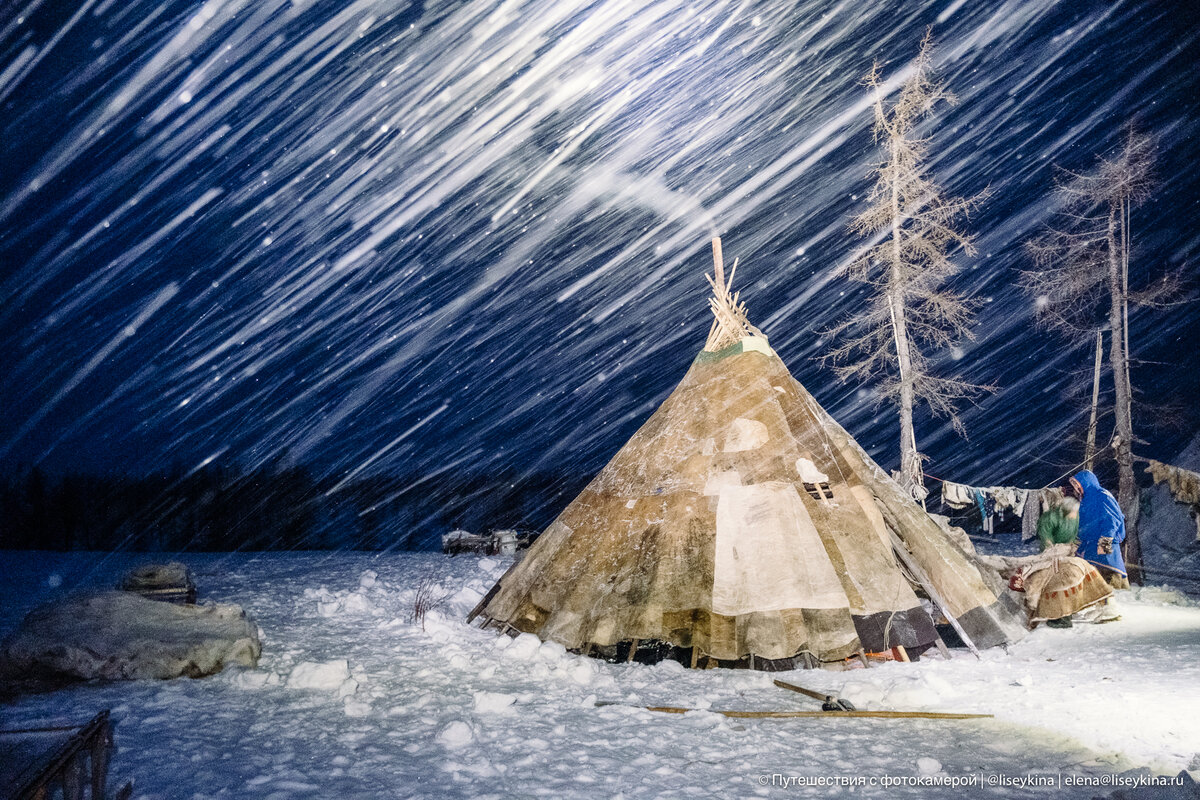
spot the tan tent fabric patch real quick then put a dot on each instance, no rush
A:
(746, 434)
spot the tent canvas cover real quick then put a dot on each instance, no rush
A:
(742, 520)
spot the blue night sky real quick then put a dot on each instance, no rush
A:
(436, 238)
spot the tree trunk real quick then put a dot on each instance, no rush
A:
(1127, 489)
(910, 460)
(1089, 453)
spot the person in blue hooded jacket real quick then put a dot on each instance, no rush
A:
(1101, 529)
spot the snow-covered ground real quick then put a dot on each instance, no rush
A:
(451, 711)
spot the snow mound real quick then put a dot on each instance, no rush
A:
(493, 702)
(523, 648)
(327, 675)
(1163, 596)
(456, 735)
(123, 636)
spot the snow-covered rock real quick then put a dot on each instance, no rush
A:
(326, 675)
(123, 636)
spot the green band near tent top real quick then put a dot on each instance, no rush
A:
(706, 357)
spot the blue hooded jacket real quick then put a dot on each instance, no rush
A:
(1099, 516)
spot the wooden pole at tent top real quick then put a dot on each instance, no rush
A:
(718, 261)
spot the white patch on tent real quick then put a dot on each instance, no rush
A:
(631, 504)
(745, 434)
(708, 447)
(809, 472)
(718, 481)
(768, 554)
(756, 344)
(780, 389)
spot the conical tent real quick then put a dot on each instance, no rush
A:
(742, 520)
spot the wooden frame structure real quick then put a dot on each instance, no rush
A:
(39, 763)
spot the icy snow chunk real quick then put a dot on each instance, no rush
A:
(356, 708)
(251, 680)
(456, 735)
(329, 608)
(701, 718)
(487, 564)
(1025, 680)
(328, 675)
(493, 702)
(502, 642)
(1163, 595)
(928, 766)
(357, 603)
(368, 579)
(582, 673)
(466, 597)
(348, 687)
(552, 652)
(523, 647)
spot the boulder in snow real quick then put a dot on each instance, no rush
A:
(123, 636)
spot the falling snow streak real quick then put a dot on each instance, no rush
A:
(248, 227)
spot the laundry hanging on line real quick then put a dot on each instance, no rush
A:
(961, 495)
(994, 501)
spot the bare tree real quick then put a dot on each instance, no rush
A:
(910, 312)
(1082, 286)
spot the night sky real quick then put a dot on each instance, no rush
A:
(435, 238)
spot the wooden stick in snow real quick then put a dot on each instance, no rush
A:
(802, 714)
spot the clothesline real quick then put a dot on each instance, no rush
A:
(1054, 482)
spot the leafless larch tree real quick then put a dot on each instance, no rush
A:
(1081, 286)
(910, 313)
